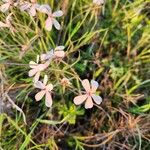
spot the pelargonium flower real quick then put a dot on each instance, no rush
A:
(5, 7)
(54, 53)
(98, 2)
(45, 90)
(50, 21)
(37, 68)
(29, 7)
(90, 94)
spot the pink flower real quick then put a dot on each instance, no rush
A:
(56, 53)
(50, 21)
(29, 7)
(5, 7)
(65, 82)
(36, 69)
(89, 94)
(98, 2)
(45, 90)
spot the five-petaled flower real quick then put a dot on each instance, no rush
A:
(50, 21)
(29, 7)
(56, 53)
(89, 94)
(45, 90)
(37, 68)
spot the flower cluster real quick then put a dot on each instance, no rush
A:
(32, 8)
(43, 61)
(89, 96)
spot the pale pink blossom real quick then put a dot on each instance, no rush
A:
(50, 21)
(37, 68)
(65, 82)
(45, 90)
(30, 7)
(98, 2)
(6, 6)
(90, 94)
(56, 53)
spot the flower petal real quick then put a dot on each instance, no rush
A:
(48, 24)
(97, 99)
(59, 48)
(37, 76)
(2, 25)
(56, 24)
(80, 99)
(48, 100)
(8, 19)
(32, 11)
(24, 6)
(32, 64)
(89, 103)
(39, 85)
(58, 13)
(40, 95)
(94, 85)
(4, 7)
(6, 1)
(49, 87)
(50, 54)
(32, 72)
(42, 67)
(44, 9)
(37, 6)
(33, 1)
(98, 2)
(47, 56)
(59, 54)
(43, 57)
(86, 85)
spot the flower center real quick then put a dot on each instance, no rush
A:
(89, 93)
(50, 16)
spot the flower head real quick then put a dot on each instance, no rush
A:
(30, 7)
(37, 68)
(89, 95)
(50, 21)
(5, 7)
(65, 82)
(98, 2)
(45, 90)
(54, 53)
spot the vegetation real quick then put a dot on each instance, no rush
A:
(108, 43)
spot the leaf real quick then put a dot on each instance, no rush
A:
(26, 142)
(141, 109)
